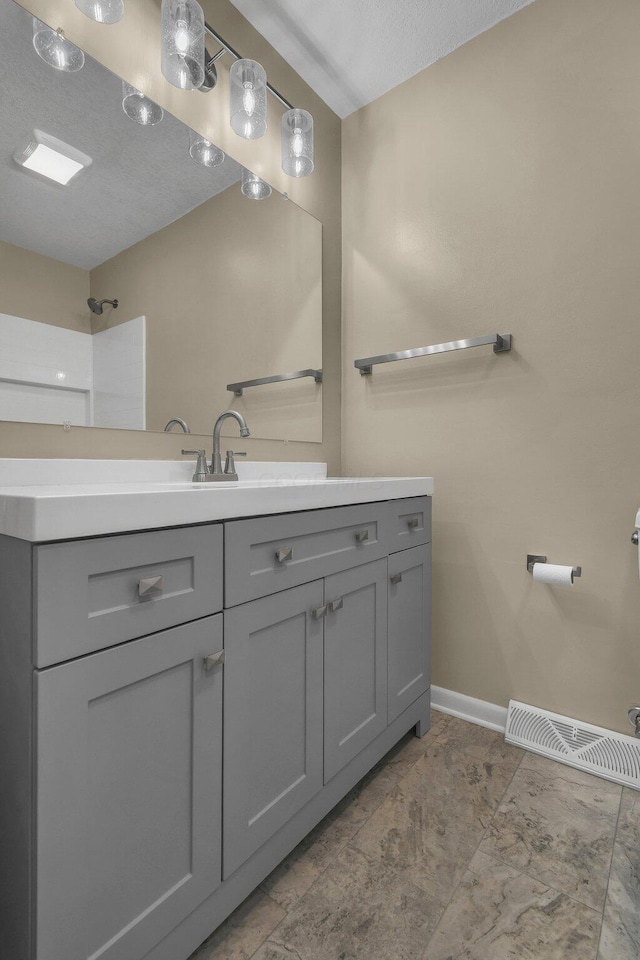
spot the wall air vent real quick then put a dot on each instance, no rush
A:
(604, 753)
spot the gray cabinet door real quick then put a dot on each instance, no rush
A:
(355, 663)
(272, 717)
(409, 627)
(128, 811)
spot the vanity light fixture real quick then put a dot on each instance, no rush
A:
(186, 64)
(297, 143)
(102, 11)
(253, 187)
(248, 99)
(183, 54)
(203, 151)
(51, 158)
(56, 51)
(140, 108)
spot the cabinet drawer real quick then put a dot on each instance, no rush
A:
(268, 554)
(410, 523)
(92, 594)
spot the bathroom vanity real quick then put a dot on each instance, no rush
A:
(181, 702)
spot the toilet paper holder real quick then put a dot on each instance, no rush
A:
(535, 558)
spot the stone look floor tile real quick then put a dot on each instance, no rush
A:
(431, 824)
(296, 874)
(246, 929)
(488, 745)
(620, 938)
(356, 910)
(498, 913)
(557, 824)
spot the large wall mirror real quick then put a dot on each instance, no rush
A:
(213, 288)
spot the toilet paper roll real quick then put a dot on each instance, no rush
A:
(554, 573)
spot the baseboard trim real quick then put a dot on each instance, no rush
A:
(469, 708)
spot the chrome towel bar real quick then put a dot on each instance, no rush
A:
(237, 388)
(501, 344)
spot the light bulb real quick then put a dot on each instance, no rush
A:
(203, 151)
(56, 51)
(248, 99)
(140, 108)
(102, 11)
(297, 143)
(182, 37)
(183, 52)
(253, 187)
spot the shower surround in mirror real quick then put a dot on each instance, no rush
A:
(231, 288)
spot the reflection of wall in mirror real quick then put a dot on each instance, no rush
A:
(231, 291)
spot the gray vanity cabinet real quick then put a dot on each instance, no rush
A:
(355, 662)
(409, 624)
(128, 768)
(139, 805)
(272, 716)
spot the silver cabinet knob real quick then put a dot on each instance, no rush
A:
(634, 538)
(413, 523)
(396, 578)
(362, 536)
(284, 554)
(319, 612)
(213, 660)
(147, 586)
(336, 604)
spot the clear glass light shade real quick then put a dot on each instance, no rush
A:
(203, 151)
(183, 43)
(248, 99)
(55, 50)
(140, 108)
(102, 11)
(253, 187)
(297, 143)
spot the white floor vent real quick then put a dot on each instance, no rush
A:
(592, 749)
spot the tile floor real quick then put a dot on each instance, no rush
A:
(455, 847)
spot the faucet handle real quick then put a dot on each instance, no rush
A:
(229, 464)
(202, 470)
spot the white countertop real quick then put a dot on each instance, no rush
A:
(86, 500)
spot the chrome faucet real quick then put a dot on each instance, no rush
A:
(229, 473)
(179, 422)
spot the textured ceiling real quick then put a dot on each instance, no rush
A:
(352, 51)
(141, 178)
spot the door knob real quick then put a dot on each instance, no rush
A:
(336, 604)
(634, 538)
(319, 612)
(396, 578)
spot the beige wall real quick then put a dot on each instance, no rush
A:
(43, 289)
(231, 291)
(498, 192)
(131, 49)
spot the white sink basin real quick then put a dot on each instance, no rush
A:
(97, 503)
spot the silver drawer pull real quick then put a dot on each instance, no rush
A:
(213, 660)
(413, 523)
(319, 612)
(284, 554)
(150, 585)
(396, 578)
(362, 535)
(336, 605)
